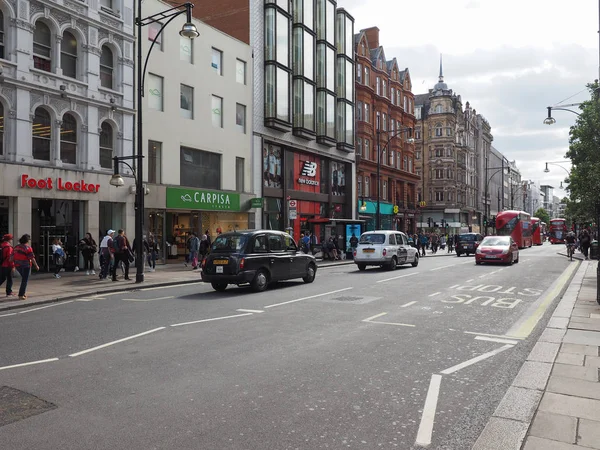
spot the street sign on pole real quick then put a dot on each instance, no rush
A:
(292, 209)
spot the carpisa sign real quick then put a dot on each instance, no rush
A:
(181, 198)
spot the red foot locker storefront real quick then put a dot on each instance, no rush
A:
(306, 192)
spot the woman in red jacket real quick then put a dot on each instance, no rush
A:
(7, 267)
(24, 258)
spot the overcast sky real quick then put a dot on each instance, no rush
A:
(509, 58)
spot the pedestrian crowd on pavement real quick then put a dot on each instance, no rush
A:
(423, 241)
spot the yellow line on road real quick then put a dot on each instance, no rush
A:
(524, 327)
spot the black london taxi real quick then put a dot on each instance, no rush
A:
(256, 257)
(468, 243)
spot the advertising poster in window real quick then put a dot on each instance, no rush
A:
(272, 166)
(307, 173)
(338, 178)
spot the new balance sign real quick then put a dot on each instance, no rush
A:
(309, 169)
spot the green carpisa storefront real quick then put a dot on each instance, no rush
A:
(195, 210)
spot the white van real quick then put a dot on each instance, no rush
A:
(385, 248)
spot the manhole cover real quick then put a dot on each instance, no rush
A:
(17, 405)
(347, 299)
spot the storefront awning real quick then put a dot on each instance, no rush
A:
(371, 207)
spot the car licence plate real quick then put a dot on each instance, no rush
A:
(222, 262)
(219, 269)
(465, 246)
(368, 250)
(491, 256)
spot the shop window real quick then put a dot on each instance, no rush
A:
(186, 49)
(41, 130)
(240, 117)
(68, 55)
(338, 178)
(106, 145)
(217, 111)
(200, 169)
(154, 162)
(239, 174)
(42, 47)
(155, 91)
(272, 163)
(154, 33)
(107, 64)
(240, 71)
(186, 101)
(68, 139)
(217, 61)
(1, 35)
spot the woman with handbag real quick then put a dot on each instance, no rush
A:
(88, 248)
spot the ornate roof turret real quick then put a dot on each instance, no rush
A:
(440, 86)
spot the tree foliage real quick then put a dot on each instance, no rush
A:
(584, 153)
(543, 215)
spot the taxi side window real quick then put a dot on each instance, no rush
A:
(276, 243)
(290, 245)
(392, 239)
(259, 244)
(401, 239)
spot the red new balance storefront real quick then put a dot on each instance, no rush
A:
(321, 200)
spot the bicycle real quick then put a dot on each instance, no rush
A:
(570, 251)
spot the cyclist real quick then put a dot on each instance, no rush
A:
(570, 240)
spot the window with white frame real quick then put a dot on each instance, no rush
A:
(359, 111)
(359, 69)
(405, 105)
(378, 86)
(359, 185)
(186, 49)
(448, 131)
(217, 61)
(240, 117)
(68, 55)
(438, 108)
(155, 92)
(384, 122)
(439, 152)
(153, 33)
(378, 123)
(217, 111)
(383, 88)
(392, 160)
(41, 133)
(410, 165)
(418, 133)
(186, 101)
(106, 67)
(367, 76)
(385, 190)
(367, 151)
(240, 71)
(42, 47)
(68, 139)
(438, 129)
(405, 162)
(439, 174)
(418, 155)
(106, 145)
(439, 196)
(367, 187)
(367, 113)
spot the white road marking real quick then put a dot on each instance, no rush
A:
(443, 267)
(47, 306)
(469, 281)
(483, 276)
(29, 363)
(108, 344)
(498, 340)
(146, 299)
(210, 320)
(91, 298)
(501, 336)
(10, 314)
(169, 286)
(456, 285)
(374, 317)
(475, 360)
(258, 311)
(434, 294)
(407, 304)
(307, 298)
(399, 276)
(426, 426)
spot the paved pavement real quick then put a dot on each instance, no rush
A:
(554, 402)
(412, 358)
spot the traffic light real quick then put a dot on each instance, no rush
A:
(435, 225)
(429, 222)
(485, 221)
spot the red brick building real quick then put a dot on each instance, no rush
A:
(384, 102)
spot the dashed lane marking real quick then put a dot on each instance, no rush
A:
(407, 304)
(434, 294)
(399, 276)
(375, 317)
(475, 360)
(31, 363)
(308, 298)
(426, 426)
(469, 281)
(118, 341)
(146, 299)
(47, 306)
(211, 319)
(498, 340)
(258, 311)
(10, 314)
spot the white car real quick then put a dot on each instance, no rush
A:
(385, 248)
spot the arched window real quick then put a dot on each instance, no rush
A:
(68, 55)
(68, 140)
(106, 146)
(1, 34)
(106, 67)
(41, 132)
(1, 129)
(42, 47)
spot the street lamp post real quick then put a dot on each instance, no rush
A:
(188, 30)
(410, 140)
(487, 185)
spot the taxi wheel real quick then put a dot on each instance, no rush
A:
(393, 264)
(220, 287)
(261, 281)
(310, 274)
(415, 263)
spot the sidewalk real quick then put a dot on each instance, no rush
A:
(554, 402)
(44, 288)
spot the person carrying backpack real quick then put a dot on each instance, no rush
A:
(305, 242)
(7, 266)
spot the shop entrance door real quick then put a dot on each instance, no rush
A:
(49, 233)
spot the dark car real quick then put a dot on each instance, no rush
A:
(468, 243)
(256, 257)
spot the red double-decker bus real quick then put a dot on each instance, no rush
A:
(536, 231)
(558, 231)
(516, 224)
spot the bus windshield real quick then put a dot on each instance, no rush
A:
(508, 227)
